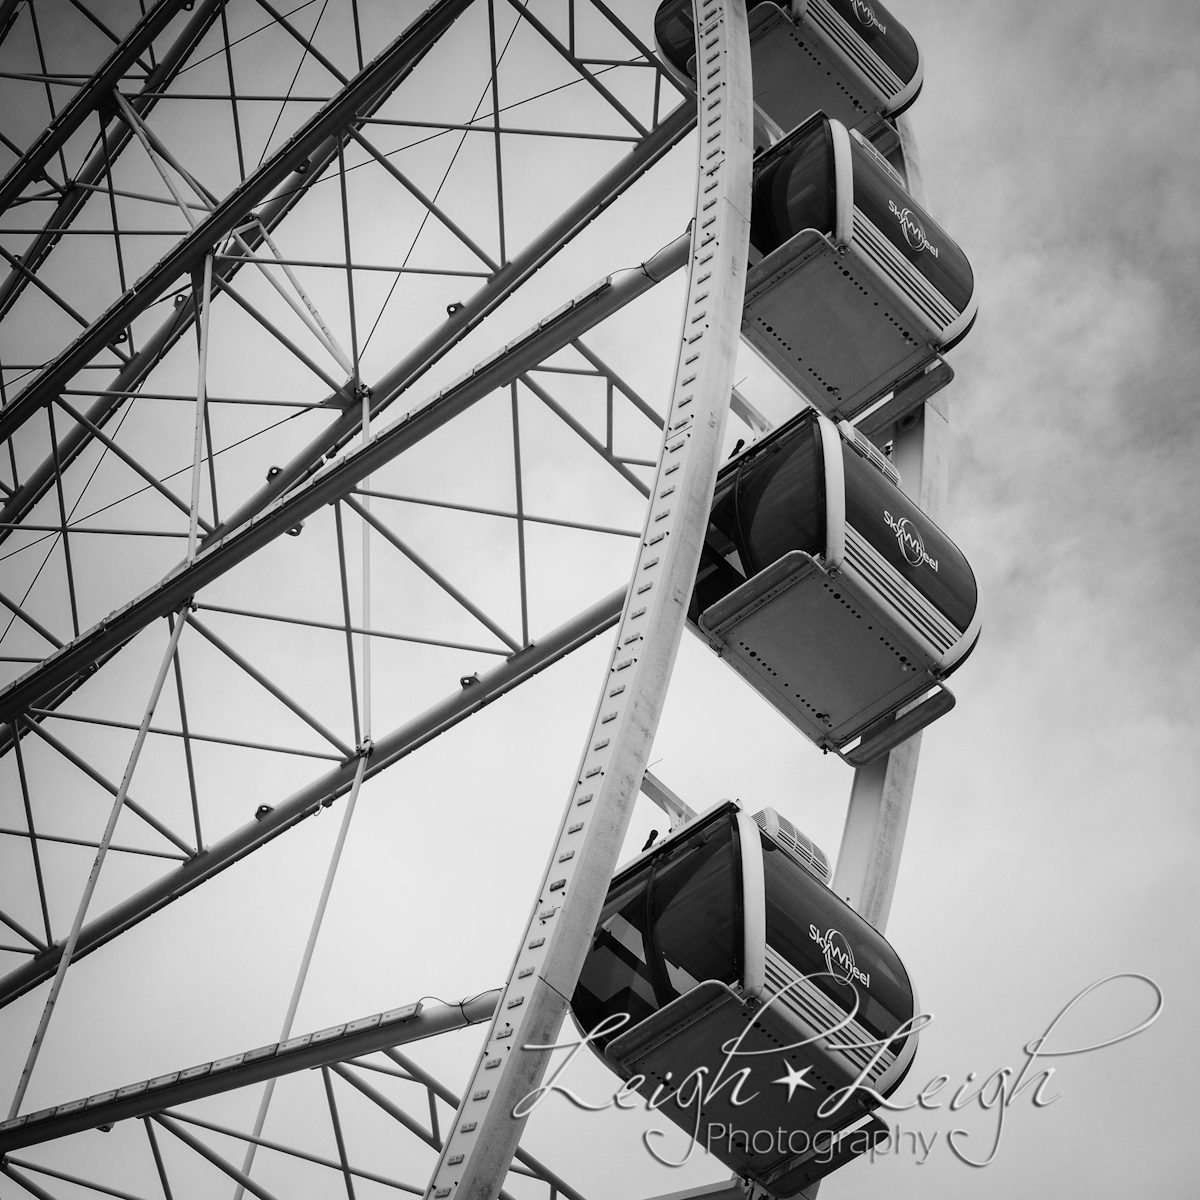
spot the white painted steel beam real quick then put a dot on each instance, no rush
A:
(475, 309)
(271, 213)
(550, 954)
(336, 480)
(308, 801)
(352, 1039)
(376, 79)
(112, 143)
(89, 98)
(868, 862)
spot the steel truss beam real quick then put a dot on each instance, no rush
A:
(92, 95)
(508, 1071)
(339, 1049)
(335, 481)
(375, 80)
(498, 288)
(308, 801)
(113, 142)
(8, 16)
(398, 1027)
(39, 481)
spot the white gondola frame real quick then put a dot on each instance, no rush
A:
(850, 563)
(837, 1045)
(909, 313)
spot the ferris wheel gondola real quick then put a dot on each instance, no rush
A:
(723, 948)
(854, 289)
(831, 592)
(847, 58)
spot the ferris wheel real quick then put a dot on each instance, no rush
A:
(360, 363)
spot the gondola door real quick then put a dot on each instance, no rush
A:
(705, 1057)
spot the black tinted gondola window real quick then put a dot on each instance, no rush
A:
(721, 568)
(696, 909)
(908, 227)
(675, 33)
(801, 913)
(795, 190)
(616, 976)
(883, 33)
(909, 541)
(781, 497)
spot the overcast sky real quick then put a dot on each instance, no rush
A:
(1053, 838)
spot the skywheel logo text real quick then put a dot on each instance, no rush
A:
(914, 231)
(912, 545)
(865, 15)
(839, 957)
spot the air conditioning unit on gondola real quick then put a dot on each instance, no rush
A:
(725, 935)
(849, 59)
(825, 587)
(853, 288)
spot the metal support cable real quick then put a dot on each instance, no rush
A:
(537, 1169)
(337, 1133)
(32, 833)
(475, 309)
(129, 460)
(377, 79)
(507, 1075)
(433, 574)
(32, 1188)
(112, 144)
(205, 301)
(37, 728)
(274, 689)
(306, 959)
(336, 480)
(213, 1157)
(347, 621)
(89, 888)
(364, 510)
(574, 61)
(579, 428)
(86, 100)
(456, 707)
(21, 931)
(425, 201)
(159, 154)
(31, 621)
(293, 1152)
(158, 1159)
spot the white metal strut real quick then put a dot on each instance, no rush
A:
(479, 1149)
(868, 861)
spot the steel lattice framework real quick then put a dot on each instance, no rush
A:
(138, 229)
(262, 379)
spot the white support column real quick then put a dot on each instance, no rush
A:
(479, 1149)
(881, 795)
